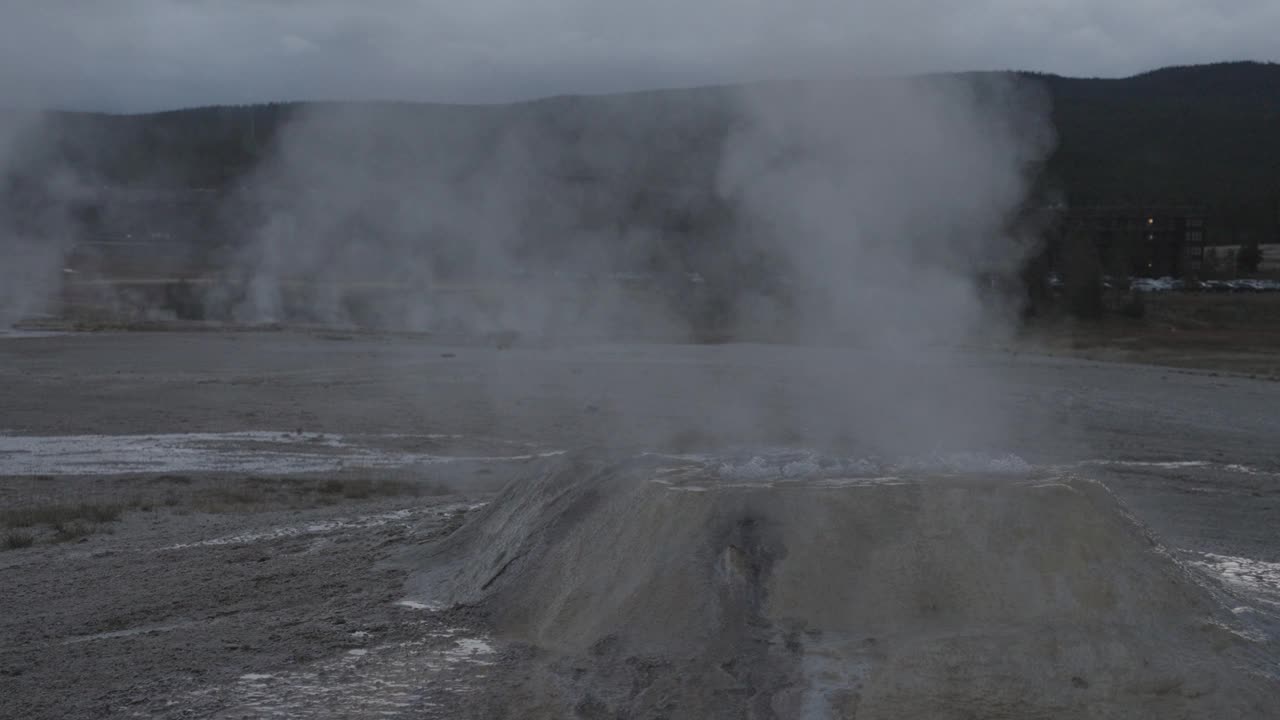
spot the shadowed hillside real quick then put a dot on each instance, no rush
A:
(376, 193)
(1203, 134)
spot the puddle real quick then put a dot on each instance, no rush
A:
(783, 468)
(415, 605)
(830, 483)
(418, 678)
(1234, 468)
(1161, 465)
(1255, 576)
(808, 469)
(326, 526)
(265, 453)
(144, 630)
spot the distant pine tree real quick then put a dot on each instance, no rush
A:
(1249, 257)
(1082, 276)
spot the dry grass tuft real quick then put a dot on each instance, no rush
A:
(17, 540)
(74, 530)
(58, 514)
(267, 494)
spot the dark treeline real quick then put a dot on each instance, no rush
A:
(1205, 135)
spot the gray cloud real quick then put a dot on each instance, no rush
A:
(146, 54)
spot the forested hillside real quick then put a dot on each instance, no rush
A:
(1205, 134)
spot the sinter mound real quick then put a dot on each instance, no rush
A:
(673, 588)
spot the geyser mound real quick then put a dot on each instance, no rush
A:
(691, 587)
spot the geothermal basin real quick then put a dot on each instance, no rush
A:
(292, 524)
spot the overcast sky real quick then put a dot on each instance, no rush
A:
(134, 55)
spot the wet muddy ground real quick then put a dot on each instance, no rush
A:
(183, 609)
(213, 517)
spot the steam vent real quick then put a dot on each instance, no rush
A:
(778, 586)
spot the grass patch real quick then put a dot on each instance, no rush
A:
(72, 516)
(74, 530)
(255, 494)
(231, 499)
(238, 496)
(69, 521)
(55, 515)
(366, 489)
(331, 487)
(17, 540)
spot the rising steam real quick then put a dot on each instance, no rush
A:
(883, 203)
(864, 213)
(34, 232)
(858, 210)
(884, 207)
